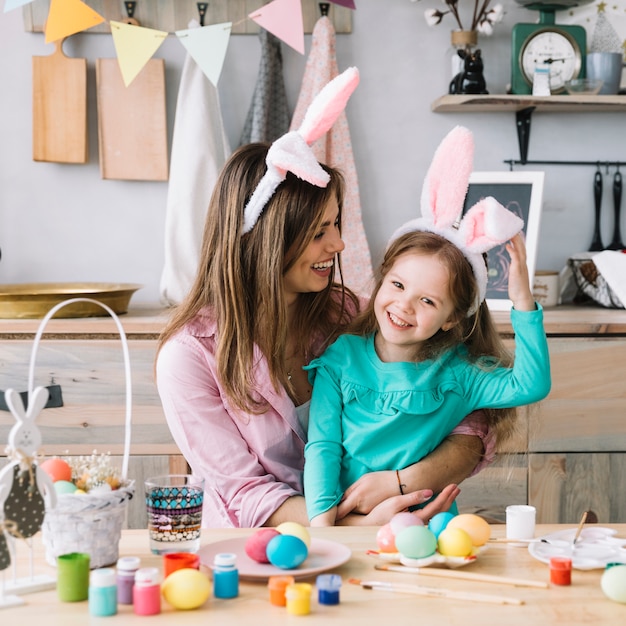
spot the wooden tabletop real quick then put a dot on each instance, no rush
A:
(583, 602)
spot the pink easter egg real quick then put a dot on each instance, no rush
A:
(256, 544)
(385, 539)
(402, 520)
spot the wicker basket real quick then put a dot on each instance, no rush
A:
(90, 523)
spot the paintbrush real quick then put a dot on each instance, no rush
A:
(579, 530)
(434, 592)
(450, 573)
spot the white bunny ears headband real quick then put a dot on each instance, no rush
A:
(292, 152)
(484, 226)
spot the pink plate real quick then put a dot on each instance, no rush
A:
(323, 555)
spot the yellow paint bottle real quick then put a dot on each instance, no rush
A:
(298, 598)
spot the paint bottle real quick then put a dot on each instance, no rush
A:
(225, 576)
(298, 598)
(277, 586)
(560, 570)
(328, 586)
(147, 591)
(127, 566)
(102, 592)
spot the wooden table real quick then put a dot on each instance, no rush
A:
(581, 603)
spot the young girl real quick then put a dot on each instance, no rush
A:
(425, 350)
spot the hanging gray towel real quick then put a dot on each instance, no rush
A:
(268, 116)
(199, 150)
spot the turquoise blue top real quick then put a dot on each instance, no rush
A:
(367, 415)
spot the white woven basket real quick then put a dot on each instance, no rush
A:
(90, 523)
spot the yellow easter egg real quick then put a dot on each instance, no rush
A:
(454, 542)
(476, 527)
(186, 589)
(295, 529)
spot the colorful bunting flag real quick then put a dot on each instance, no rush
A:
(282, 18)
(135, 46)
(67, 17)
(9, 5)
(349, 4)
(207, 47)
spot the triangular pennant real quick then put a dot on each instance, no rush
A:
(349, 4)
(9, 5)
(282, 18)
(134, 46)
(207, 47)
(67, 17)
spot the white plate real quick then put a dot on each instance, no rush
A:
(323, 555)
(596, 547)
(435, 559)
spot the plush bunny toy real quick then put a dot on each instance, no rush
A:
(25, 489)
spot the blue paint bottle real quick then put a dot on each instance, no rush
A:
(225, 576)
(102, 592)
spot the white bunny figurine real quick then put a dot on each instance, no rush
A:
(28, 490)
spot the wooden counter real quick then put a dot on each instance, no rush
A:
(582, 602)
(569, 444)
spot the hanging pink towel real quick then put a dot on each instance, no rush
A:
(335, 149)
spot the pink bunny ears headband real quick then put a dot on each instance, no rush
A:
(484, 226)
(292, 152)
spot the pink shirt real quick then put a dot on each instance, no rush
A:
(251, 463)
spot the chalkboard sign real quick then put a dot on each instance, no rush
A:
(521, 193)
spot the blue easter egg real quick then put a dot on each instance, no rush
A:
(438, 522)
(286, 551)
(64, 486)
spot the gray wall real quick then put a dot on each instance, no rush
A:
(64, 223)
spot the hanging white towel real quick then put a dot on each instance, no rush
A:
(199, 150)
(335, 149)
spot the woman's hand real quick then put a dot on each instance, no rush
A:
(382, 513)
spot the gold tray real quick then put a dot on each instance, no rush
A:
(34, 300)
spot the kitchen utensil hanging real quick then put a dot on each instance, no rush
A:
(596, 242)
(616, 243)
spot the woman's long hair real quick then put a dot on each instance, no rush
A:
(477, 331)
(240, 277)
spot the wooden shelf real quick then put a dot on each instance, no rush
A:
(513, 103)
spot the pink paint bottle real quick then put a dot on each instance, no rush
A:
(147, 591)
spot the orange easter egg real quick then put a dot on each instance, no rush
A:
(57, 469)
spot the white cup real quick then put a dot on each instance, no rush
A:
(520, 521)
(606, 66)
(546, 287)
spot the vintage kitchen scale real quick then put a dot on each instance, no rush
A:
(563, 47)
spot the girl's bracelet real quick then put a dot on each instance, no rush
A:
(401, 485)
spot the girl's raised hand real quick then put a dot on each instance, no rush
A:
(519, 282)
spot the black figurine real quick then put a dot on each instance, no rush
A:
(470, 79)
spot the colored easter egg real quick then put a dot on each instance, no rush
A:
(186, 588)
(416, 542)
(476, 527)
(286, 551)
(386, 539)
(613, 583)
(439, 521)
(64, 486)
(454, 542)
(295, 529)
(402, 520)
(57, 469)
(256, 544)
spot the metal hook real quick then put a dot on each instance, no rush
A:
(324, 8)
(130, 12)
(202, 8)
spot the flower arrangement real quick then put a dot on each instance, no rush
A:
(83, 474)
(484, 16)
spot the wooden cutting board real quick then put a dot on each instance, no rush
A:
(132, 122)
(60, 108)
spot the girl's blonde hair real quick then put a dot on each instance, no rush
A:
(476, 331)
(241, 277)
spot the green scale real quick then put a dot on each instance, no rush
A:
(561, 47)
